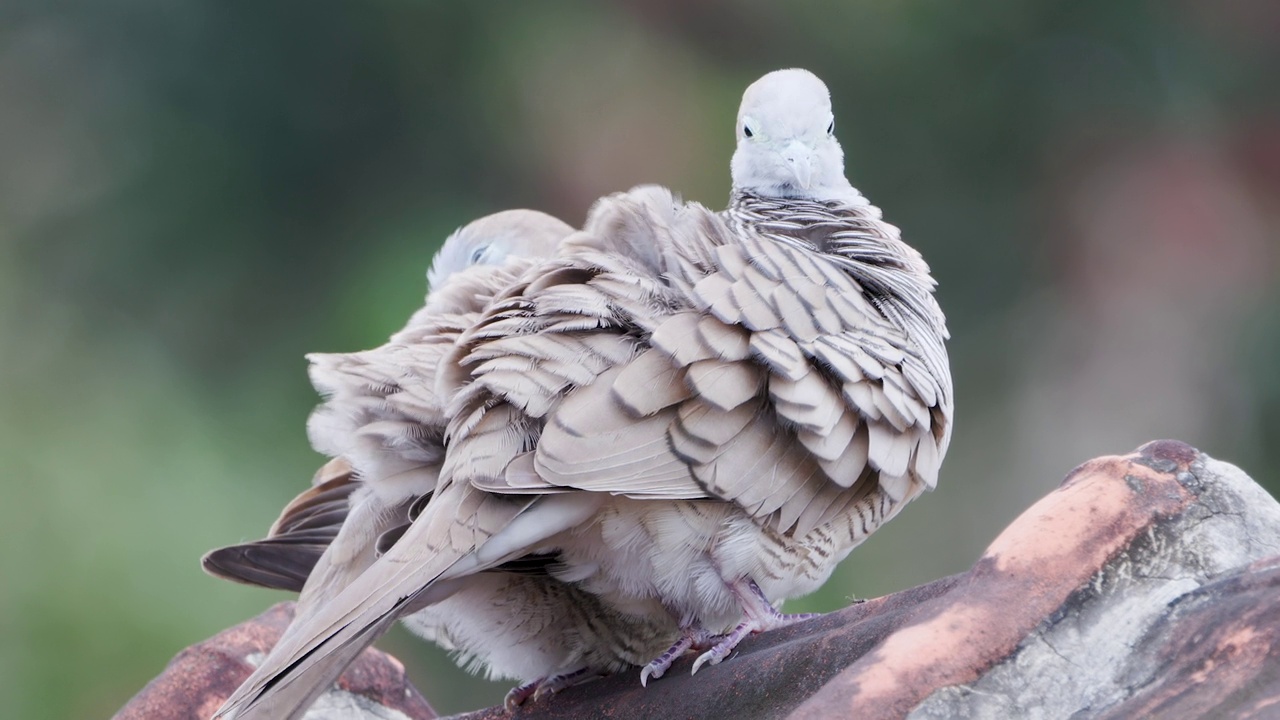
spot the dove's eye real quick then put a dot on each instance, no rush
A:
(831, 129)
(746, 131)
(478, 254)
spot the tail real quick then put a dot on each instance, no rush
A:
(290, 698)
(461, 532)
(308, 524)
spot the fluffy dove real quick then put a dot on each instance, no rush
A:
(383, 417)
(785, 387)
(382, 420)
(693, 412)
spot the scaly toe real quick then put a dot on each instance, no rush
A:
(784, 620)
(519, 694)
(552, 685)
(710, 656)
(659, 665)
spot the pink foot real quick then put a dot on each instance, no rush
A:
(761, 616)
(516, 696)
(691, 637)
(543, 687)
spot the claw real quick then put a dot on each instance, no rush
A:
(691, 637)
(761, 616)
(542, 687)
(519, 694)
(659, 665)
(709, 656)
(725, 645)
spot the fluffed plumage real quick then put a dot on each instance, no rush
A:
(784, 387)
(693, 412)
(384, 422)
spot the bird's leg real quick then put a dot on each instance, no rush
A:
(543, 687)
(692, 637)
(761, 615)
(517, 695)
(556, 683)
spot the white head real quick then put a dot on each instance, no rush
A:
(786, 139)
(494, 238)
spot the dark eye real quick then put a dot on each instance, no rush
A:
(478, 254)
(831, 129)
(746, 131)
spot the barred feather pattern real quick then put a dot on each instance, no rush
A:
(759, 390)
(383, 419)
(556, 626)
(892, 273)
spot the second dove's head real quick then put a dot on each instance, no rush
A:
(786, 139)
(493, 238)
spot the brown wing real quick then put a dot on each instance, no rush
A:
(297, 539)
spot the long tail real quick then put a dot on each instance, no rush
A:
(461, 532)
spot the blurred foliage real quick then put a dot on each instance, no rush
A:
(194, 195)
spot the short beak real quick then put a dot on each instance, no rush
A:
(798, 155)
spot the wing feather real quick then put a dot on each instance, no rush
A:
(780, 354)
(650, 383)
(730, 342)
(725, 385)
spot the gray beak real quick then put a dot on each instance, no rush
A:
(799, 159)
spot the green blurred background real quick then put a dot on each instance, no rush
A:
(194, 195)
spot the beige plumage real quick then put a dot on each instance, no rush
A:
(783, 391)
(696, 413)
(383, 422)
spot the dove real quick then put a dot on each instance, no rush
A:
(786, 388)
(379, 415)
(383, 423)
(685, 412)
(513, 623)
